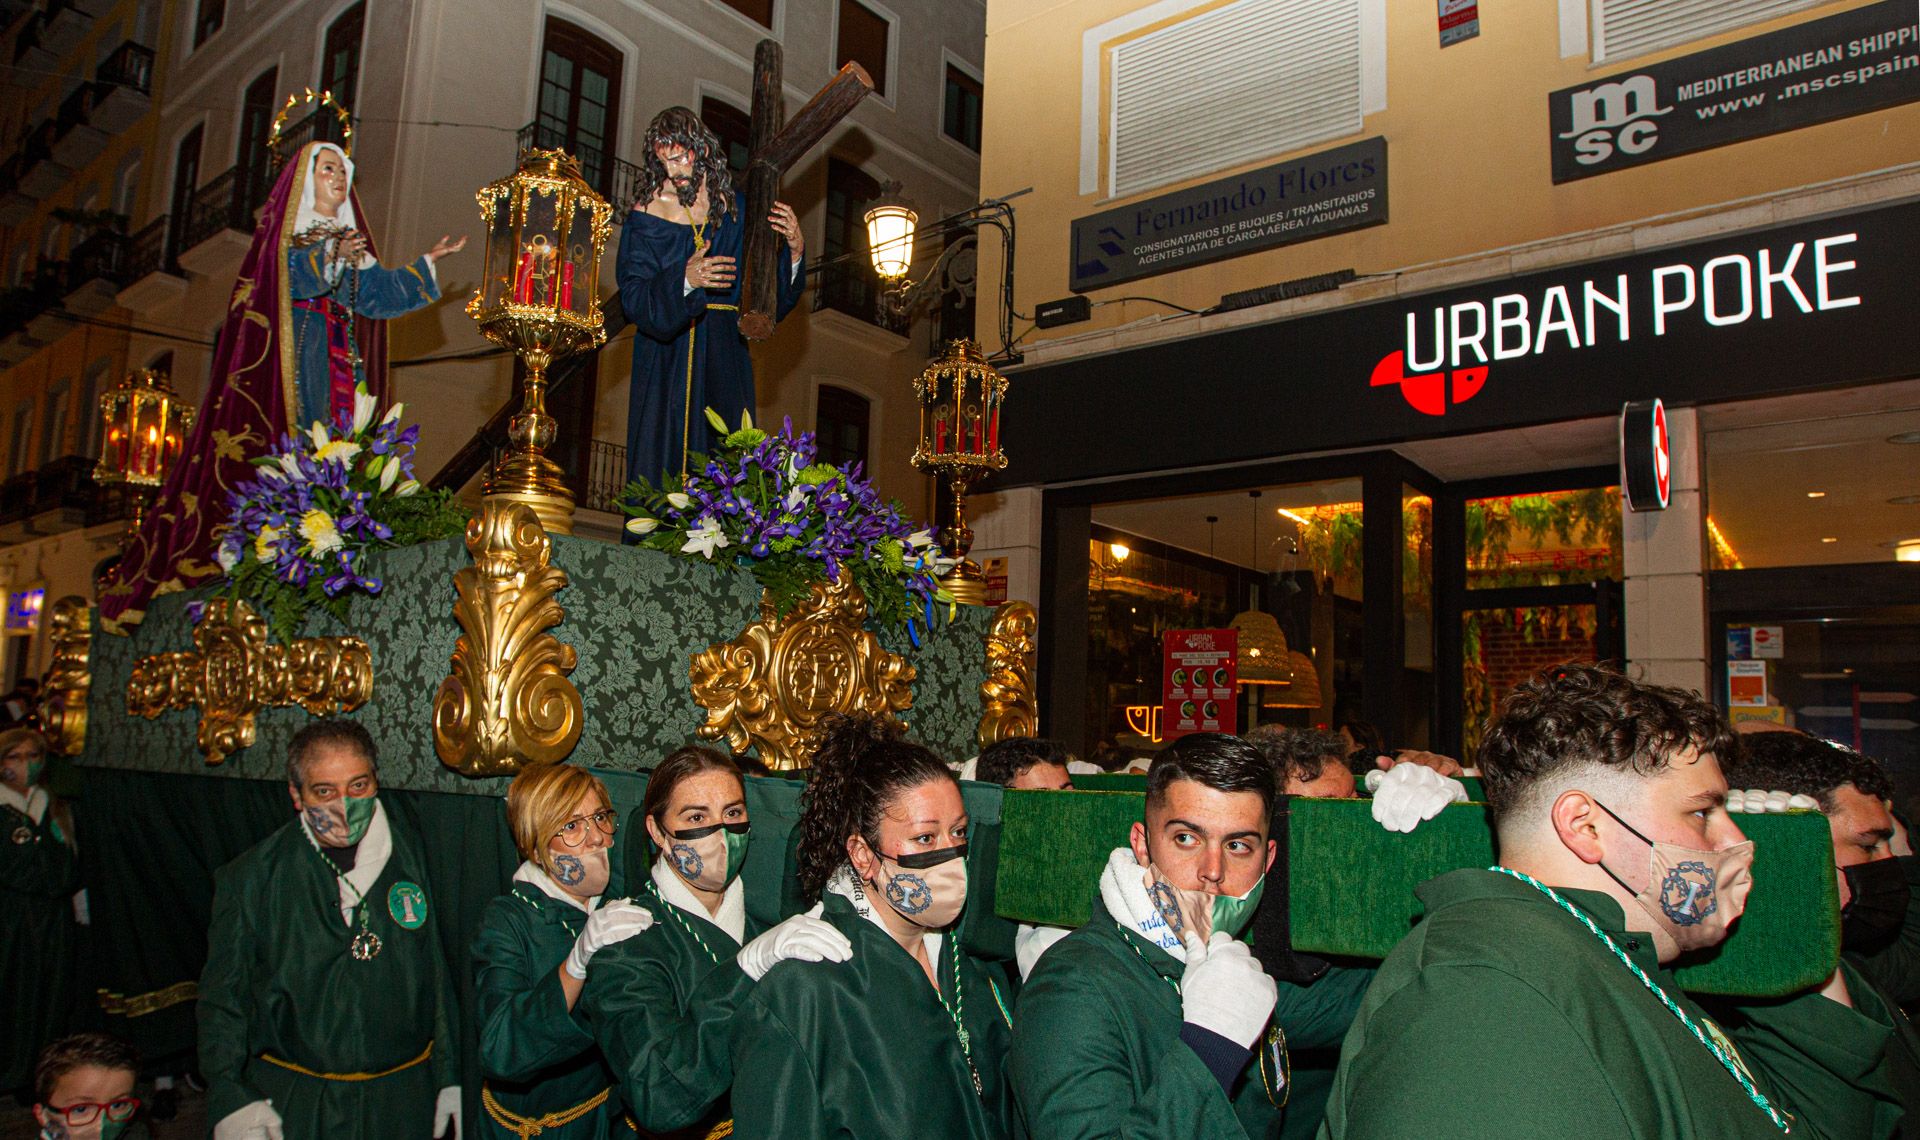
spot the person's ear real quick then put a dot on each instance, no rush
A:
(1137, 839)
(1576, 821)
(293, 793)
(861, 857)
(1273, 852)
(654, 833)
(40, 1115)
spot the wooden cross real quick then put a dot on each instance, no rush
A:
(773, 146)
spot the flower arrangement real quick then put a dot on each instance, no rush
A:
(764, 502)
(298, 532)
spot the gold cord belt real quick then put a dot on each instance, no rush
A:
(306, 1072)
(530, 1126)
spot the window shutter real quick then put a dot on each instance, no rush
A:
(1625, 28)
(1237, 84)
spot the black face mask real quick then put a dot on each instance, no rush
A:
(1878, 911)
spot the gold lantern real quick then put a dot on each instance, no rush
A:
(145, 426)
(540, 296)
(960, 396)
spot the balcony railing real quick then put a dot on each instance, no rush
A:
(102, 256)
(149, 250)
(226, 203)
(616, 179)
(130, 66)
(853, 288)
(606, 476)
(59, 496)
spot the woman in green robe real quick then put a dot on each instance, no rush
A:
(907, 1039)
(38, 875)
(663, 1005)
(544, 1076)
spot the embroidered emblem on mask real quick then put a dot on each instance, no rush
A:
(688, 861)
(321, 820)
(1164, 901)
(1687, 895)
(407, 903)
(908, 894)
(569, 870)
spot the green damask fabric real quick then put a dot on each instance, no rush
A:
(636, 618)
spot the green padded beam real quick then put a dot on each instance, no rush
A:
(1352, 881)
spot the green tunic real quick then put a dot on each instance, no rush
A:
(662, 1005)
(1098, 1050)
(1315, 1019)
(280, 983)
(866, 1048)
(539, 1059)
(1768, 1033)
(1500, 1017)
(1893, 973)
(38, 876)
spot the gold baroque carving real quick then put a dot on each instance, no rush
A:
(69, 678)
(770, 687)
(507, 701)
(234, 672)
(1008, 708)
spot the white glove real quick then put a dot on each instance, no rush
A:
(614, 922)
(1225, 990)
(1407, 794)
(804, 937)
(255, 1121)
(1754, 801)
(446, 1107)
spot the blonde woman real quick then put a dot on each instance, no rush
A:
(544, 1074)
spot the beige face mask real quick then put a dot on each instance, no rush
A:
(1693, 897)
(929, 889)
(582, 873)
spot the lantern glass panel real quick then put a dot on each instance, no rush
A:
(579, 281)
(538, 278)
(498, 285)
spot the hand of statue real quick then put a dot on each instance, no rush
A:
(709, 271)
(352, 246)
(445, 246)
(788, 226)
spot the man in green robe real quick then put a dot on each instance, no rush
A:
(1852, 791)
(38, 875)
(1142, 1023)
(325, 1009)
(1534, 997)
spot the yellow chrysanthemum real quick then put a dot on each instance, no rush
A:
(317, 527)
(266, 543)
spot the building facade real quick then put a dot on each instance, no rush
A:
(444, 94)
(1373, 294)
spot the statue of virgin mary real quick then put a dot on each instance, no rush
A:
(306, 322)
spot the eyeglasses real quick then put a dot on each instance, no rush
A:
(86, 1112)
(574, 832)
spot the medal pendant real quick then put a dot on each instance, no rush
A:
(974, 1072)
(365, 946)
(22, 836)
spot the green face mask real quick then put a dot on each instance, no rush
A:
(1189, 911)
(341, 823)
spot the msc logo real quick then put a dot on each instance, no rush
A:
(1615, 115)
(1428, 392)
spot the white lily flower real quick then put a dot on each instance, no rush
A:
(920, 539)
(642, 526)
(410, 487)
(318, 433)
(393, 413)
(227, 557)
(363, 406)
(678, 501)
(290, 464)
(389, 476)
(705, 538)
(796, 499)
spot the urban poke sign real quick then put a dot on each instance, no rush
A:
(1200, 687)
(1843, 65)
(1646, 460)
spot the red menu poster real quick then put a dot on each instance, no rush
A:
(1197, 690)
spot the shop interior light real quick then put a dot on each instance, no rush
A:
(1829, 540)
(1119, 550)
(1816, 494)
(1908, 551)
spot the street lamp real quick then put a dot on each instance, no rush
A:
(892, 229)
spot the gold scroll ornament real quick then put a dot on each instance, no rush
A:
(1008, 708)
(770, 687)
(69, 679)
(508, 701)
(234, 672)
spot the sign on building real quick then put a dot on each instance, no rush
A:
(1846, 64)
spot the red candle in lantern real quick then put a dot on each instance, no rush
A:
(939, 435)
(566, 285)
(523, 280)
(993, 431)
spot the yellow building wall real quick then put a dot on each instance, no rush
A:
(1468, 152)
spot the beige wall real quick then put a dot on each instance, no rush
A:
(1467, 143)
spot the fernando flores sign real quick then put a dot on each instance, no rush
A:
(1842, 65)
(1293, 201)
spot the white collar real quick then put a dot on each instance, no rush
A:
(1123, 888)
(376, 847)
(732, 916)
(33, 805)
(535, 875)
(844, 884)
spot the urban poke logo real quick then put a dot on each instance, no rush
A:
(1428, 392)
(1618, 115)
